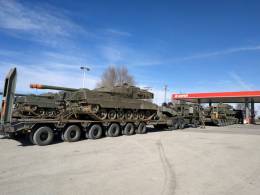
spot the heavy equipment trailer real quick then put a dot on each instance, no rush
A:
(74, 117)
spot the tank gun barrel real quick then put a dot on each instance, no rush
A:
(39, 86)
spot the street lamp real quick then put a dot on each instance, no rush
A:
(84, 69)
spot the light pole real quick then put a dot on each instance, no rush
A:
(84, 69)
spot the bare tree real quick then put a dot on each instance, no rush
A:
(108, 78)
(113, 76)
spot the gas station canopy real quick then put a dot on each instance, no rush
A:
(217, 97)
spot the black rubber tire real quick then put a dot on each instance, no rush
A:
(72, 133)
(113, 130)
(12, 136)
(195, 124)
(129, 129)
(182, 125)
(62, 136)
(175, 125)
(30, 136)
(87, 134)
(95, 132)
(43, 136)
(141, 128)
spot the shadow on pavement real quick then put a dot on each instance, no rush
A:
(232, 129)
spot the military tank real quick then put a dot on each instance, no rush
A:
(123, 102)
(190, 112)
(45, 105)
(220, 115)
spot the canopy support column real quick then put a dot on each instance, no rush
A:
(247, 112)
(252, 117)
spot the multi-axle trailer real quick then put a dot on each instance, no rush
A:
(41, 131)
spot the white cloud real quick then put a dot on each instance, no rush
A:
(35, 23)
(157, 60)
(240, 82)
(218, 53)
(111, 54)
(140, 58)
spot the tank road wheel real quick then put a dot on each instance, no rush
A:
(72, 133)
(95, 132)
(128, 115)
(102, 114)
(141, 115)
(43, 136)
(129, 129)
(113, 130)
(95, 108)
(147, 114)
(120, 114)
(135, 115)
(112, 114)
(141, 128)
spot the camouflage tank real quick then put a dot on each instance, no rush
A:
(120, 102)
(220, 115)
(190, 112)
(38, 106)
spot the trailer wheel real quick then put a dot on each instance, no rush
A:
(31, 137)
(182, 124)
(175, 125)
(129, 129)
(141, 128)
(113, 130)
(61, 136)
(95, 132)
(87, 134)
(43, 136)
(72, 133)
(195, 124)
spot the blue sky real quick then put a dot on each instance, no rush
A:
(192, 46)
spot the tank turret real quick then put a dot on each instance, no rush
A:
(127, 91)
